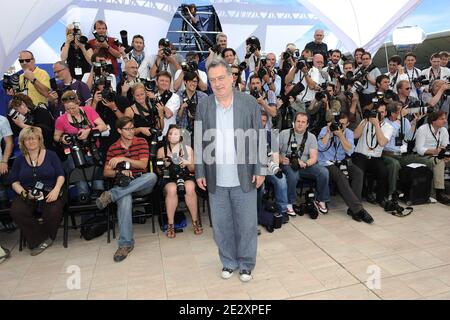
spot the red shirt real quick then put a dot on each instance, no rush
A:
(137, 151)
(93, 43)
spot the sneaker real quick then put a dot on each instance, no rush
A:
(104, 199)
(291, 212)
(432, 200)
(40, 248)
(227, 273)
(321, 206)
(355, 217)
(122, 253)
(245, 275)
(365, 216)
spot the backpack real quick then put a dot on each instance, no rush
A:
(179, 221)
(416, 184)
(93, 227)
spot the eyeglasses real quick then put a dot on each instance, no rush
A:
(25, 60)
(409, 88)
(66, 99)
(236, 74)
(58, 71)
(129, 129)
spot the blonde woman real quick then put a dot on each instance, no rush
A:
(37, 176)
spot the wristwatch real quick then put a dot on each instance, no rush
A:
(34, 81)
(115, 110)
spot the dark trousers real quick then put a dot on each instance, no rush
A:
(350, 194)
(22, 212)
(377, 167)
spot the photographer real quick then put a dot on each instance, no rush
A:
(110, 107)
(357, 54)
(191, 65)
(404, 88)
(216, 50)
(383, 89)
(323, 107)
(31, 116)
(37, 177)
(76, 52)
(373, 134)
(105, 45)
(396, 72)
(269, 77)
(265, 99)
(348, 96)
(178, 178)
(66, 83)
(164, 60)
(395, 152)
(130, 78)
(287, 60)
(298, 156)
(6, 139)
(368, 74)
(127, 163)
(252, 53)
(138, 54)
(439, 96)
(167, 99)
(189, 100)
(34, 82)
(74, 130)
(101, 69)
(147, 115)
(310, 78)
(435, 72)
(431, 143)
(230, 57)
(413, 75)
(334, 67)
(336, 144)
(287, 106)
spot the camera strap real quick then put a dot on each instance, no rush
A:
(403, 213)
(34, 166)
(141, 111)
(437, 138)
(373, 135)
(83, 123)
(302, 144)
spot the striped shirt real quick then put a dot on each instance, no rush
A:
(137, 151)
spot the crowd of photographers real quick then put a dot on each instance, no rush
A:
(114, 106)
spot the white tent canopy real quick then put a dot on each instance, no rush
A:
(353, 23)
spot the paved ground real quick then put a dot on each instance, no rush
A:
(328, 258)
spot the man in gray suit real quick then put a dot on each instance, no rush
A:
(231, 167)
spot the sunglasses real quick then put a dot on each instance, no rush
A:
(236, 74)
(407, 88)
(66, 99)
(25, 60)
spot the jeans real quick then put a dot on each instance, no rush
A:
(123, 197)
(281, 191)
(319, 173)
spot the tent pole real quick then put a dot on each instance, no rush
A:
(387, 59)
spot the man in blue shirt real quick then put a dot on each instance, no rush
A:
(335, 142)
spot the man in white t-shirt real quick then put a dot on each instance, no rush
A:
(396, 72)
(373, 134)
(412, 73)
(435, 72)
(7, 135)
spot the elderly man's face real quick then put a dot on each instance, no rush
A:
(318, 36)
(318, 61)
(221, 81)
(26, 61)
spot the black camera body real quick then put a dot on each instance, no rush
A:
(80, 148)
(39, 191)
(399, 140)
(11, 81)
(107, 93)
(322, 93)
(444, 153)
(370, 114)
(102, 68)
(153, 144)
(189, 66)
(98, 37)
(308, 206)
(121, 179)
(335, 126)
(149, 84)
(173, 172)
(255, 93)
(166, 52)
(422, 81)
(191, 106)
(334, 71)
(293, 156)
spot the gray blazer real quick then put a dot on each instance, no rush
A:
(246, 115)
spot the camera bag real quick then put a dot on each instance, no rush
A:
(93, 227)
(416, 184)
(180, 221)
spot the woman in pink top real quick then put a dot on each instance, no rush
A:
(75, 128)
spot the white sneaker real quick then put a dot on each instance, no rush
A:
(245, 276)
(321, 206)
(226, 273)
(432, 200)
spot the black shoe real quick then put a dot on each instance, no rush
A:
(442, 197)
(371, 199)
(285, 218)
(259, 231)
(365, 216)
(269, 229)
(354, 216)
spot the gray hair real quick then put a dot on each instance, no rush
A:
(62, 64)
(221, 35)
(217, 62)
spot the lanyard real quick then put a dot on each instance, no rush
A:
(373, 136)
(435, 77)
(437, 138)
(34, 165)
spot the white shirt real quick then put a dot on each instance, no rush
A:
(370, 88)
(432, 75)
(369, 137)
(5, 131)
(201, 74)
(173, 104)
(113, 80)
(426, 138)
(145, 66)
(318, 76)
(392, 83)
(412, 74)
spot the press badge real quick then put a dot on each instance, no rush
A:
(78, 71)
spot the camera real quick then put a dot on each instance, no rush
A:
(399, 140)
(39, 191)
(253, 44)
(77, 33)
(308, 207)
(173, 172)
(370, 114)
(121, 179)
(322, 93)
(167, 52)
(149, 84)
(422, 81)
(392, 205)
(13, 114)
(11, 80)
(191, 106)
(334, 71)
(153, 144)
(98, 37)
(124, 37)
(293, 156)
(189, 66)
(272, 166)
(107, 92)
(255, 93)
(287, 54)
(445, 153)
(335, 126)
(419, 107)
(100, 68)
